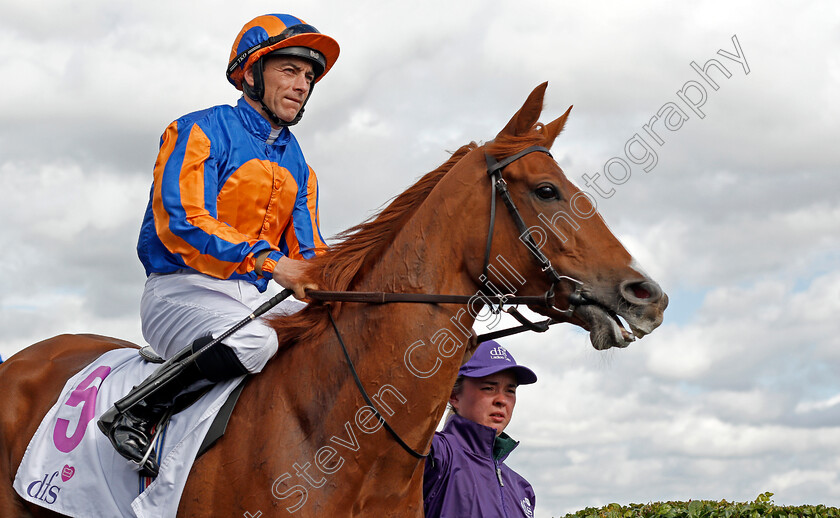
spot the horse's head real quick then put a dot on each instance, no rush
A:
(569, 233)
(433, 238)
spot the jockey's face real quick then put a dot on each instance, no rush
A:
(488, 400)
(287, 81)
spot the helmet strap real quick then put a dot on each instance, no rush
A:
(257, 92)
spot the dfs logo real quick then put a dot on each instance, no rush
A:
(499, 353)
(44, 490)
(526, 507)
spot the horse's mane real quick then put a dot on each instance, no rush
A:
(358, 248)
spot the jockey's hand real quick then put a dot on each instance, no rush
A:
(290, 273)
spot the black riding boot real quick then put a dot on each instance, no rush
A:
(131, 431)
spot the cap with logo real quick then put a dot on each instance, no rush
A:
(490, 358)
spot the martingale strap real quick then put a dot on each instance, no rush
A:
(367, 399)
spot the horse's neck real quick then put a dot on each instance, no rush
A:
(409, 354)
(406, 356)
(420, 346)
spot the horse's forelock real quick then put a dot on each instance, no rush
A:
(505, 145)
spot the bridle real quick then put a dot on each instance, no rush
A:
(494, 171)
(499, 186)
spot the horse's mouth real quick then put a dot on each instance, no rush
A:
(606, 328)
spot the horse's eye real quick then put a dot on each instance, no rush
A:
(547, 192)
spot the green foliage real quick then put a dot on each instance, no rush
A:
(760, 508)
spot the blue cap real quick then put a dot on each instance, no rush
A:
(490, 358)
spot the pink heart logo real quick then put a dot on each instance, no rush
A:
(67, 473)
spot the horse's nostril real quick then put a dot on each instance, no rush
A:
(645, 291)
(640, 292)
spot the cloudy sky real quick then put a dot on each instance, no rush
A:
(738, 218)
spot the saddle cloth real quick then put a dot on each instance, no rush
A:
(70, 466)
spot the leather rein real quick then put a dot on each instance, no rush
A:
(499, 187)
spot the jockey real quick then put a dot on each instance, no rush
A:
(233, 206)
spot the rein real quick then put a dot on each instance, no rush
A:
(358, 381)
(379, 297)
(499, 186)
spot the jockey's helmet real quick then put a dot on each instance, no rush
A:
(278, 35)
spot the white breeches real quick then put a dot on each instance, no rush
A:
(178, 308)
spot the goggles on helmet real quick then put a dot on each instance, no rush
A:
(294, 30)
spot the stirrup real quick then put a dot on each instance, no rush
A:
(148, 465)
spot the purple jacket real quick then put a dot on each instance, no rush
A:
(465, 475)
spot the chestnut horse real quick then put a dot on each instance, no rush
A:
(302, 439)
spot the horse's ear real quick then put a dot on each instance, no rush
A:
(527, 116)
(554, 128)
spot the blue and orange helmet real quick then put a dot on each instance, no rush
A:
(278, 34)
